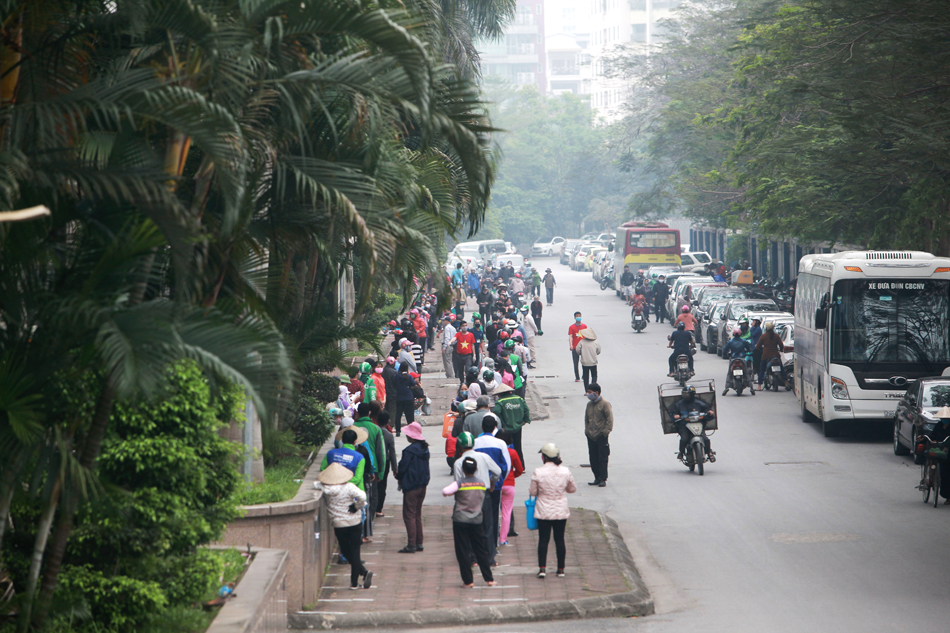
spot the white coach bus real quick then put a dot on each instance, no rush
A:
(866, 324)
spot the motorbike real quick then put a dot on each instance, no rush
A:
(695, 456)
(607, 281)
(775, 376)
(740, 377)
(789, 368)
(637, 320)
(699, 425)
(681, 371)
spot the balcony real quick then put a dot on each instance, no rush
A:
(525, 78)
(521, 49)
(566, 70)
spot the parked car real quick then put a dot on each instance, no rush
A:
(567, 246)
(713, 318)
(676, 287)
(737, 309)
(915, 412)
(546, 246)
(510, 248)
(787, 333)
(580, 252)
(502, 259)
(597, 264)
(589, 258)
(693, 262)
(706, 296)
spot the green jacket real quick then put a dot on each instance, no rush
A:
(513, 412)
(375, 443)
(515, 361)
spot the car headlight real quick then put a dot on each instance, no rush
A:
(839, 390)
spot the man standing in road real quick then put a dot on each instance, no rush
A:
(626, 282)
(598, 423)
(660, 293)
(574, 337)
(549, 286)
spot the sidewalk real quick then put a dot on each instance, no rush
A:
(424, 589)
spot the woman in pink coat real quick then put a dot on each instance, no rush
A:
(551, 484)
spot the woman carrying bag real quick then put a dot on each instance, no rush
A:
(344, 501)
(551, 483)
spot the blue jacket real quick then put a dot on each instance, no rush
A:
(473, 282)
(413, 471)
(736, 348)
(404, 384)
(487, 444)
(754, 334)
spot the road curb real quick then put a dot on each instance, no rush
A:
(636, 602)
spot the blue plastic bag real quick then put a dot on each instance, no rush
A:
(530, 521)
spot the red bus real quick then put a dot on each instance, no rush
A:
(644, 244)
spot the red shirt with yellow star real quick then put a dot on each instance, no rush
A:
(465, 343)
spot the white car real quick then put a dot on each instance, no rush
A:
(546, 246)
(693, 262)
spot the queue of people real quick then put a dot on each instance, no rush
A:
(490, 351)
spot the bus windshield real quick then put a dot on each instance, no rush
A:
(890, 321)
(653, 239)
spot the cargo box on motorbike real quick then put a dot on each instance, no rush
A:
(671, 392)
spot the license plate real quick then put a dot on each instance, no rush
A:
(638, 318)
(737, 372)
(776, 369)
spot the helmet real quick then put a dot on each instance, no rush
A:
(503, 335)
(476, 315)
(524, 309)
(516, 336)
(472, 373)
(489, 376)
(414, 312)
(737, 332)
(509, 344)
(680, 326)
(397, 332)
(404, 343)
(685, 309)
(393, 324)
(654, 275)
(756, 319)
(689, 390)
(390, 360)
(365, 367)
(743, 321)
(769, 326)
(465, 440)
(518, 275)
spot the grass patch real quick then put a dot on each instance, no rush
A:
(281, 483)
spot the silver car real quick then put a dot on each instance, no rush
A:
(735, 310)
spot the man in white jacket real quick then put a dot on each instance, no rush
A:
(588, 349)
(530, 331)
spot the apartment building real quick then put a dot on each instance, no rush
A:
(520, 55)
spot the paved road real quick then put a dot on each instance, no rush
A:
(788, 531)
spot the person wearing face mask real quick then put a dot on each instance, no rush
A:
(574, 337)
(464, 353)
(598, 423)
(479, 335)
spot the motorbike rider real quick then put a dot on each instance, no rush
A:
(626, 282)
(743, 324)
(639, 303)
(738, 347)
(687, 318)
(769, 346)
(686, 405)
(940, 434)
(682, 342)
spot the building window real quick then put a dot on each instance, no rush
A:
(638, 32)
(638, 5)
(539, 9)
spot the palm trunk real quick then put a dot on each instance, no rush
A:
(87, 460)
(39, 546)
(8, 487)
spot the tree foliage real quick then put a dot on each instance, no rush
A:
(819, 120)
(557, 175)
